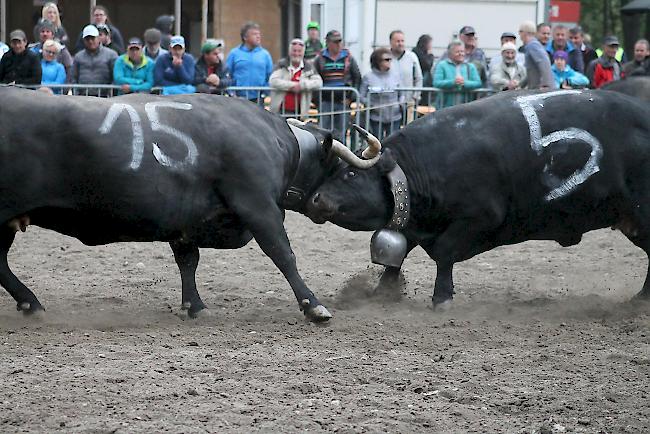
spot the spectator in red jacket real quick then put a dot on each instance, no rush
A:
(606, 68)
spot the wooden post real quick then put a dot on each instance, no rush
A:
(204, 21)
(177, 17)
(3, 20)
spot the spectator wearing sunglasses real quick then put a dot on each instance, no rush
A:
(53, 71)
(379, 89)
(133, 71)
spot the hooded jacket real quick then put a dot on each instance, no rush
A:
(138, 77)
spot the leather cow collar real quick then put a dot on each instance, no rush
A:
(309, 148)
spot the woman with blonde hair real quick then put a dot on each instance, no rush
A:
(53, 71)
(50, 12)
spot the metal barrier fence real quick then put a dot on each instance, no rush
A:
(334, 108)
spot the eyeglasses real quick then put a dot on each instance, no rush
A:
(50, 52)
(387, 59)
(134, 48)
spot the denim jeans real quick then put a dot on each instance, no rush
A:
(338, 123)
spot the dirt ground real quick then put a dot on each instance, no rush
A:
(540, 339)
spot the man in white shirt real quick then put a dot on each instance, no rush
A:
(406, 63)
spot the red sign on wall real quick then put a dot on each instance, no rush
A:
(564, 11)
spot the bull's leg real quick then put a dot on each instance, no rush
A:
(461, 241)
(187, 259)
(389, 280)
(25, 299)
(644, 243)
(268, 230)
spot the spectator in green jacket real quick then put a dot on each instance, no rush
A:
(133, 71)
(455, 76)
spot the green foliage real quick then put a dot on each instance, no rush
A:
(601, 17)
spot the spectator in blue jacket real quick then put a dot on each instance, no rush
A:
(455, 76)
(133, 71)
(174, 71)
(250, 64)
(565, 76)
(53, 71)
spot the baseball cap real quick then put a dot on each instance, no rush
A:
(103, 28)
(508, 35)
(467, 30)
(210, 44)
(152, 36)
(560, 54)
(135, 41)
(313, 25)
(90, 30)
(177, 40)
(334, 36)
(610, 40)
(17, 34)
(508, 46)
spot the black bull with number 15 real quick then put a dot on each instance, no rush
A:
(509, 168)
(193, 170)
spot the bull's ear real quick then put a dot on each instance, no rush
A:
(386, 162)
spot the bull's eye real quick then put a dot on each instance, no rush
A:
(350, 175)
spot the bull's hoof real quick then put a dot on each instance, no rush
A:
(642, 295)
(194, 311)
(318, 314)
(442, 304)
(29, 309)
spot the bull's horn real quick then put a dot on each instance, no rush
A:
(295, 122)
(374, 145)
(348, 156)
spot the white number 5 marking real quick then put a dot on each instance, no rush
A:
(539, 142)
(137, 142)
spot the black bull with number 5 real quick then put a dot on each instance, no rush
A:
(505, 169)
(193, 170)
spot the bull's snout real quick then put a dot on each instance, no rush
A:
(319, 208)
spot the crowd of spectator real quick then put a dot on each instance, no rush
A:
(546, 58)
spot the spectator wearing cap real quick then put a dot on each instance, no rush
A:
(520, 57)
(152, 47)
(174, 71)
(577, 38)
(538, 66)
(641, 63)
(50, 13)
(46, 33)
(20, 65)
(337, 68)
(455, 76)
(607, 67)
(507, 74)
(293, 81)
(105, 38)
(100, 16)
(210, 74)
(560, 42)
(94, 64)
(52, 71)
(250, 64)
(407, 67)
(313, 44)
(133, 71)
(565, 76)
(620, 54)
